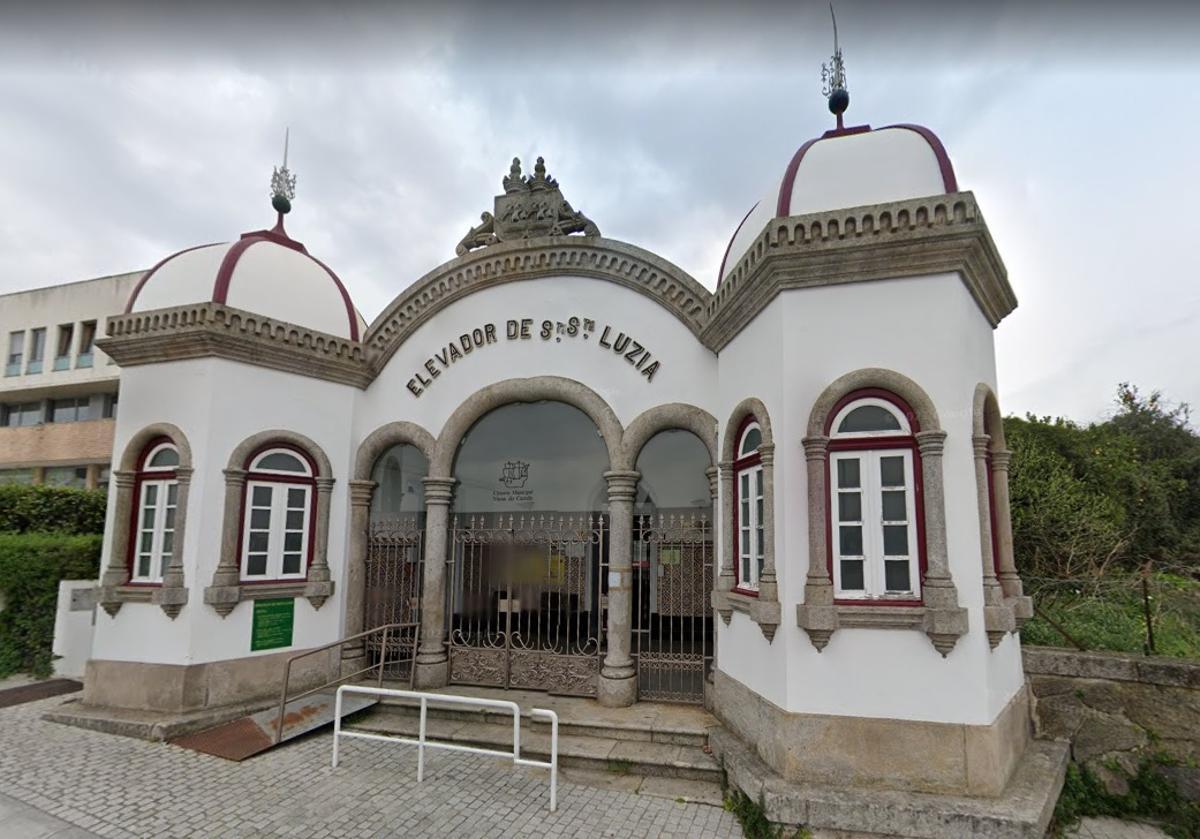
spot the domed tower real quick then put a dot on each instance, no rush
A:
(867, 596)
(240, 366)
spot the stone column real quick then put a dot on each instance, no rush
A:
(433, 665)
(997, 618)
(1010, 580)
(714, 485)
(768, 588)
(92, 478)
(172, 595)
(618, 676)
(116, 573)
(945, 620)
(817, 615)
(354, 653)
(39, 475)
(225, 591)
(320, 587)
(726, 546)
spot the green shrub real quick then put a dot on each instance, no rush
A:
(31, 565)
(1151, 795)
(47, 509)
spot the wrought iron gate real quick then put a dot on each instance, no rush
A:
(673, 565)
(527, 601)
(395, 560)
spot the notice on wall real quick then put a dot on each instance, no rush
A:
(608, 339)
(273, 624)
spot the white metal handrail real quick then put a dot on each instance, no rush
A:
(422, 743)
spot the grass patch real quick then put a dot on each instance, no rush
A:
(1152, 797)
(620, 767)
(1111, 616)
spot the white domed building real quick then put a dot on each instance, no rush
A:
(581, 472)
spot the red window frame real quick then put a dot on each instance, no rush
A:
(898, 441)
(273, 477)
(135, 515)
(739, 464)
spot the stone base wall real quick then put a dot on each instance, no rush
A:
(175, 688)
(867, 753)
(1116, 709)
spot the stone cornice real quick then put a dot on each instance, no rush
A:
(934, 235)
(213, 330)
(506, 262)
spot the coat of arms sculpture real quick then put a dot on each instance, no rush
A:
(530, 206)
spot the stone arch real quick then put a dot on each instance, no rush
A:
(536, 389)
(623, 264)
(386, 436)
(897, 383)
(226, 589)
(237, 460)
(138, 442)
(672, 416)
(745, 408)
(171, 594)
(986, 418)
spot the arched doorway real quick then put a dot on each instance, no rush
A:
(529, 550)
(673, 568)
(393, 568)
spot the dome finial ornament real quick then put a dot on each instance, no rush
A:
(833, 76)
(283, 182)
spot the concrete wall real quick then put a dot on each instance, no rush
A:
(89, 441)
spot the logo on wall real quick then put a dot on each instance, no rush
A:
(514, 474)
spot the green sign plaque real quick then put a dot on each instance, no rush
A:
(273, 622)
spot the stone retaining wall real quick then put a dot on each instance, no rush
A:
(1115, 709)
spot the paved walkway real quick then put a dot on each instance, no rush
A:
(1106, 828)
(69, 778)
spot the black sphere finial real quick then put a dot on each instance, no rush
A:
(839, 101)
(281, 204)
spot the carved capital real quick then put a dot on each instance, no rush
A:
(124, 479)
(361, 493)
(325, 484)
(234, 478)
(622, 484)
(766, 453)
(714, 480)
(815, 448)
(981, 442)
(931, 443)
(439, 492)
(1000, 460)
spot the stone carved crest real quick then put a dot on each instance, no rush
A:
(530, 206)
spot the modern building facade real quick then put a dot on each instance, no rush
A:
(59, 391)
(582, 472)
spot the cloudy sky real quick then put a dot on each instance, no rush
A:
(127, 132)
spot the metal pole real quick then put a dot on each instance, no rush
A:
(553, 762)
(1146, 609)
(337, 724)
(383, 654)
(421, 744)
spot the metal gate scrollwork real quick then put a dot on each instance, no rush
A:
(394, 566)
(527, 602)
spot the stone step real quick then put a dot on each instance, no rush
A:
(587, 752)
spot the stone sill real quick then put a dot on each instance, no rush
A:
(761, 609)
(172, 599)
(224, 598)
(880, 616)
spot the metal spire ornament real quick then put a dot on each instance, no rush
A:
(833, 77)
(283, 182)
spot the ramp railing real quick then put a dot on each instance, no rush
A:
(422, 743)
(391, 632)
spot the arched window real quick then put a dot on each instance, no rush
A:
(748, 506)
(277, 517)
(874, 517)
(157, 491)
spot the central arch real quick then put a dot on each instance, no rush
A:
(529, 550)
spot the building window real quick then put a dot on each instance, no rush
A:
(62, 355)
(874, 504)
(16, 476)
(157, 493)
(748, 507)
(75, 409)
(110, 406)
(66, 476)
(277, 519)
(16, 353)
(37, 350)
(25, 413)
(87, 337)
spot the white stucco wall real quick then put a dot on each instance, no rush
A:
(686, 374)
(218, 404)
